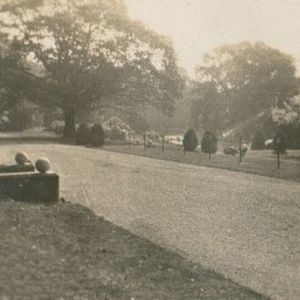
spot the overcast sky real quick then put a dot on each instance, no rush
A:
(196, 26)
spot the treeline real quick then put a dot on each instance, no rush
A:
(73, 60)
(245, 88)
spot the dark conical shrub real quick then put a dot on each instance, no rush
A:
(279, 143)
(209, 143)
(82, 136)
(190, 140)
(258, 141)
(97, 135)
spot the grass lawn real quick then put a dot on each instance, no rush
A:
(257, 162)
(67, 252)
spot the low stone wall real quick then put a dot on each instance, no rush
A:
(16, 168)
(30, 187)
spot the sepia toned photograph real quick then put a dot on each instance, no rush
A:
(149, 150)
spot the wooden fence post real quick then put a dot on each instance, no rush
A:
(240, 150)
(129, 140)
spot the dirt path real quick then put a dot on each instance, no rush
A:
(244, 226)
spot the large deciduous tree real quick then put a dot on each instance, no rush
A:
(288, 113)
(287, 119)
(239, 81)
(87, 52)
(208, 112)
(12, 83)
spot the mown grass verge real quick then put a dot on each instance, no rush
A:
(67, 252)
(255, 162)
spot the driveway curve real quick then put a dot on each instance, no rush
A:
(244, 226)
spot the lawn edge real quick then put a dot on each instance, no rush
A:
(202, 166)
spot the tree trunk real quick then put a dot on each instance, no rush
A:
(69, 130)
(209, 156)
(278, 160)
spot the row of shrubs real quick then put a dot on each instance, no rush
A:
(209, 142)
(90, 135)
(58, 126)
(87, 134)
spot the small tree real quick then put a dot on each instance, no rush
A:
(83, 134)
(97, 136)
(209, 143)
(279, 145)
(190, 141)
(258, 141)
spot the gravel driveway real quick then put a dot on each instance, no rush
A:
(244, 226)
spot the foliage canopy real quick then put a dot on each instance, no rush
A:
(236, 82)
(85, 53)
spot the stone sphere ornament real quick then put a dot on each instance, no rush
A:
(21, 158)
(42, 165)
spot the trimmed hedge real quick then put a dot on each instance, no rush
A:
(190, 141)
(209, 143)
(97, 136)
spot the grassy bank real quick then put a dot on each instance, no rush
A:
(256, 162)
(66, 252)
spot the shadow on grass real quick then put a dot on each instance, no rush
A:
(65, 251)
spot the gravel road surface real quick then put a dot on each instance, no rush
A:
(244, 226)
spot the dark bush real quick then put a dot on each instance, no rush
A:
(209, 143)
(82, 136)
(190, 140)
(279, 143)
(231, 150)
(292, 134)
(258, 141)
(97, 135)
